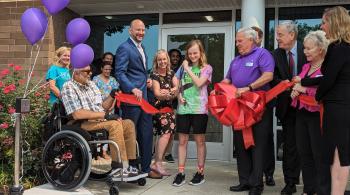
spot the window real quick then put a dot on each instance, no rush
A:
(108, 32)
(306, 18)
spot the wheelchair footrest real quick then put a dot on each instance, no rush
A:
(127, 179)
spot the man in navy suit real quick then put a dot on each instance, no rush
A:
(131, 73)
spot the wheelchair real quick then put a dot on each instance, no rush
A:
(70, 155)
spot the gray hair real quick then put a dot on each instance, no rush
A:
(291, 26)
(319, 38)
(249, 33)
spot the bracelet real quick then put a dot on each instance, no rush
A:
(250, 87)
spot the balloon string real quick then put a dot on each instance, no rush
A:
(29, 70)
(35, 59)
(32, 69)
(36, 87)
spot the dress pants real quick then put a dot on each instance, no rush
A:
(269, 167)
(122, 133)
(316, 174)
(291, 162)
(144, 133)
(250, 162)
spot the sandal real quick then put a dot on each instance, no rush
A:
(158, 169)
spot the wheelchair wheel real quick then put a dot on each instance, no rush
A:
(114, 190)
(141, 181)
(66, 160)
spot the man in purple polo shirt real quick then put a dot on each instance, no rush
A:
(251, 70)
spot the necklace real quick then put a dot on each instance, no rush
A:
(313, 68)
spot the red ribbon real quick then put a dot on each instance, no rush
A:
(145, 106)
(243, 112)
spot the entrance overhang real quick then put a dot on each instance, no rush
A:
(120, 7)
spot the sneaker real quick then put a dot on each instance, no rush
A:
(169, 158)
(130, 172)
(197, 179)
(179, 180)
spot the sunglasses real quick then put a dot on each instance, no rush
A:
(86, 71)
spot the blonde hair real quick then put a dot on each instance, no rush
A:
(155, 63)
(58, 53)
(319, 38)
(339, 24)
(203, 58)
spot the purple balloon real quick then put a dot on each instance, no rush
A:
(81, 56)
(55, 6)
(77, 31)
(33, 24)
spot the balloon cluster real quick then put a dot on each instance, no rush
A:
(77, 32)
(34, 24)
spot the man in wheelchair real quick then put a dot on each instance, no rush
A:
(83, 101)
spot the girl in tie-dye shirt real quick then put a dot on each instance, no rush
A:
(194, 76)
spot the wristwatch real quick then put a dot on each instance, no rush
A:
(250, 87)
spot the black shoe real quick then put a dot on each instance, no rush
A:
(255, 191)
(197, 179)
(179, 180)
(347, 192)
(311, 193)
(269, 181)
(289, 189)
(169, 158)
(239, 188)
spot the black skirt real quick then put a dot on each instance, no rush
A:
(336, 132)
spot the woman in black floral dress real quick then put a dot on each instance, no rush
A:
(164, 89)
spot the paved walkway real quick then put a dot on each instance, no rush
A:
(219, 176)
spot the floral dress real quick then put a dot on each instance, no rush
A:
(165, 122)
(105, 88)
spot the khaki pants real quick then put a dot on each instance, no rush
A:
(123, 133)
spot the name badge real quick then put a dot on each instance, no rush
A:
(249, 64)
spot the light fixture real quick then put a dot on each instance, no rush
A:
(140, 6)
(209, 18)
(109, 17)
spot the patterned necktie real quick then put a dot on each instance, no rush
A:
(139, 47)
(291, 63)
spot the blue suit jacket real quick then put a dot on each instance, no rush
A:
(129, 69)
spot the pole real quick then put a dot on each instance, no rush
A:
(22, 106)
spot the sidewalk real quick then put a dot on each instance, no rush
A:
(218, 175)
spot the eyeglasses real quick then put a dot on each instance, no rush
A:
(107, 69)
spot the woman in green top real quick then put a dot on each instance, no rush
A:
(58, 73)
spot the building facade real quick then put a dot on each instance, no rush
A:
(170, 24)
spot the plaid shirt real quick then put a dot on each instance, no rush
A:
(76, 96)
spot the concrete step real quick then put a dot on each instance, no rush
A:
(47, 189)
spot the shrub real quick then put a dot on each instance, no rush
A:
(12, 85)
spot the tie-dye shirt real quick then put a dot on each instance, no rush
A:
(196, 98)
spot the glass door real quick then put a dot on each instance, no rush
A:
(217, 42)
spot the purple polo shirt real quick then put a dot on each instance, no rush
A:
(245, 69)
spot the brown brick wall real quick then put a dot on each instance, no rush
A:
(14, 48)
